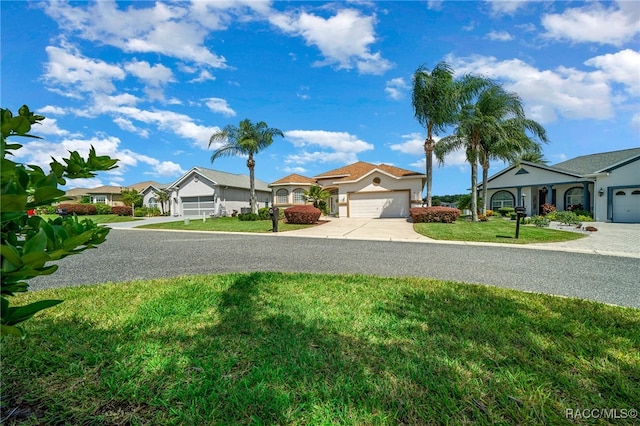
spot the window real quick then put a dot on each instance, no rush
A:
(620, 193)
(502, 199)
(574, 197)
(282, 196)
(298, 196)
(153, 203)
(376, 181)
(99, 199)
(636, 192)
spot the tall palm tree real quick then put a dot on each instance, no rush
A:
(532, 156)
(436, 98)
(495, 126)
(162, 197)
(245, 139)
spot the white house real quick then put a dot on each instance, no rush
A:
(606, 184)
(357, 190)
(207, 192)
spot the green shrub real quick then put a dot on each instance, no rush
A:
(248, 217)
(31, 244)
(513, 215)
(583, 218)
(121, 210)
(540, 221)
(103, 209)
(552, 216)
(434, 214)
(506, 211)
(264, 213)
(568, 218)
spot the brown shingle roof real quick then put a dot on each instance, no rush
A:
(294, 178)
(356, 170)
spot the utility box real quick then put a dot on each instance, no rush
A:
(274, 212)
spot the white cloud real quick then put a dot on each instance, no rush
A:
(622, 67)
(396, 88)
(594, 23)
(567, 92)
(499, 36)
(508, 7)
(335, 147)
(168, 29)
(338, 141)
(343, 39)
(635, 122)
(220, 106)
(78, 74)
(297, 170)
(51, 110)
(413, 144)
(156, 75)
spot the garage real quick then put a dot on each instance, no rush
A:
(197, 206)
(626, 205)
(379, 204)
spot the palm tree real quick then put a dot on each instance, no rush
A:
(532, 156)
(316, 195)
(246, 139)
(162, 197)
(436, 98)
(494, 126)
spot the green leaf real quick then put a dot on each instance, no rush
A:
(16, 315)
(10, 330)
(13, 202)
(11, 254)
(36, 244)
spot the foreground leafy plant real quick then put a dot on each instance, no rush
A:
(30, 243)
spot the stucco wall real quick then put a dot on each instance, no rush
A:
(628, 175)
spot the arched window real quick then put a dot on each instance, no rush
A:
(298, 196)
(573, 198)
(153, 203)
(282, 196)
(502, 199)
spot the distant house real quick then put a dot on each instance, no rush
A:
(107, 194)
(606, 184)
(202, 191)
(358, 190)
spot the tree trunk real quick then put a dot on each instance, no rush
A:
(251, 164)
(428, 151)
(485, 178)
(474, 190)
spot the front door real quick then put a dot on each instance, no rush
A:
(542, 197)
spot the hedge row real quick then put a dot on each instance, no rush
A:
(306, 214)
(434, 214)
(84, 209)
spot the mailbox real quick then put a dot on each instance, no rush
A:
(274, 212)
(521, 212)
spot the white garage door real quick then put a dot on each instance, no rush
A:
(626, 205)
(379, 204)
(196, 206)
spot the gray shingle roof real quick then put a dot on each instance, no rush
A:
(593, 163)
(232, 179)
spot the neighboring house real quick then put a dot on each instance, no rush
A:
(76, 194)
(150, 196)
(207, 192)
(357, 190)
(107, 194)
(606, 184)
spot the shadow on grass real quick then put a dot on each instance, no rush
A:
(253, 350)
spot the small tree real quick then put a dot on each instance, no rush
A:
(317, 196)
(131, 198)
(162, 197)
(29, 244)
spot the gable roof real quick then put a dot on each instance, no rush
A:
(294, 179)
(357, 170)
(224, 179)
(593, 163)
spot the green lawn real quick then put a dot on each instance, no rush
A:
(270, 348)
(496, 230)
(228, 224)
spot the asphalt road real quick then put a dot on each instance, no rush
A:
(132, 254)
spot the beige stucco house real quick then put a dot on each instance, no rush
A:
(358, 190)
(606, 184)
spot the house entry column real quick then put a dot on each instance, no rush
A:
(586, 201)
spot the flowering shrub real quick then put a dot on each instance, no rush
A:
(548, 208)
(121, 210)
(79, 209)
(434, 214)
(489, 213)
(302, 214)
(483, 218)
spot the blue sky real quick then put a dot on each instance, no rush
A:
(149, 82)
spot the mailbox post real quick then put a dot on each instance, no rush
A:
(521, 212)
(274, 212)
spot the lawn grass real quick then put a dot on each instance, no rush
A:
(496, 230)
(272, 348)
(228, 224)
